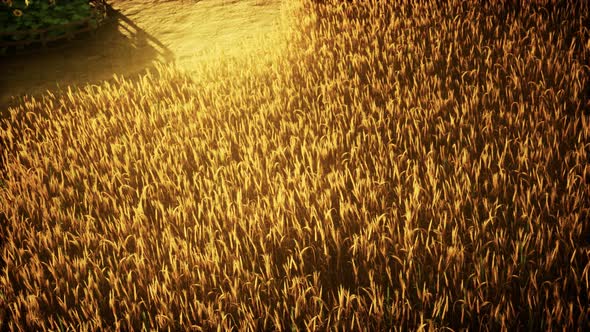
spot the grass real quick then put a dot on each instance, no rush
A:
(398, 166)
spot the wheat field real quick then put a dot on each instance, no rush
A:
(409, 165)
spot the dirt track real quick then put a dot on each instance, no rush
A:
(140, 33)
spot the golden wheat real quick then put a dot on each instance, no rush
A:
(404, 165)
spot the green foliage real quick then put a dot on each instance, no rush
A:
(21, 15)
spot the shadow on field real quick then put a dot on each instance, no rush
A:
(117, 47)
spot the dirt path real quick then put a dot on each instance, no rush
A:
(141, 33)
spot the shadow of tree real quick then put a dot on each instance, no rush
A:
(117, 47)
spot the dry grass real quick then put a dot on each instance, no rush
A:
(400, 167)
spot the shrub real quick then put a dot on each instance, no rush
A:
(25, 15)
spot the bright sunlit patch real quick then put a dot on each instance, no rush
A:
(210, 30)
